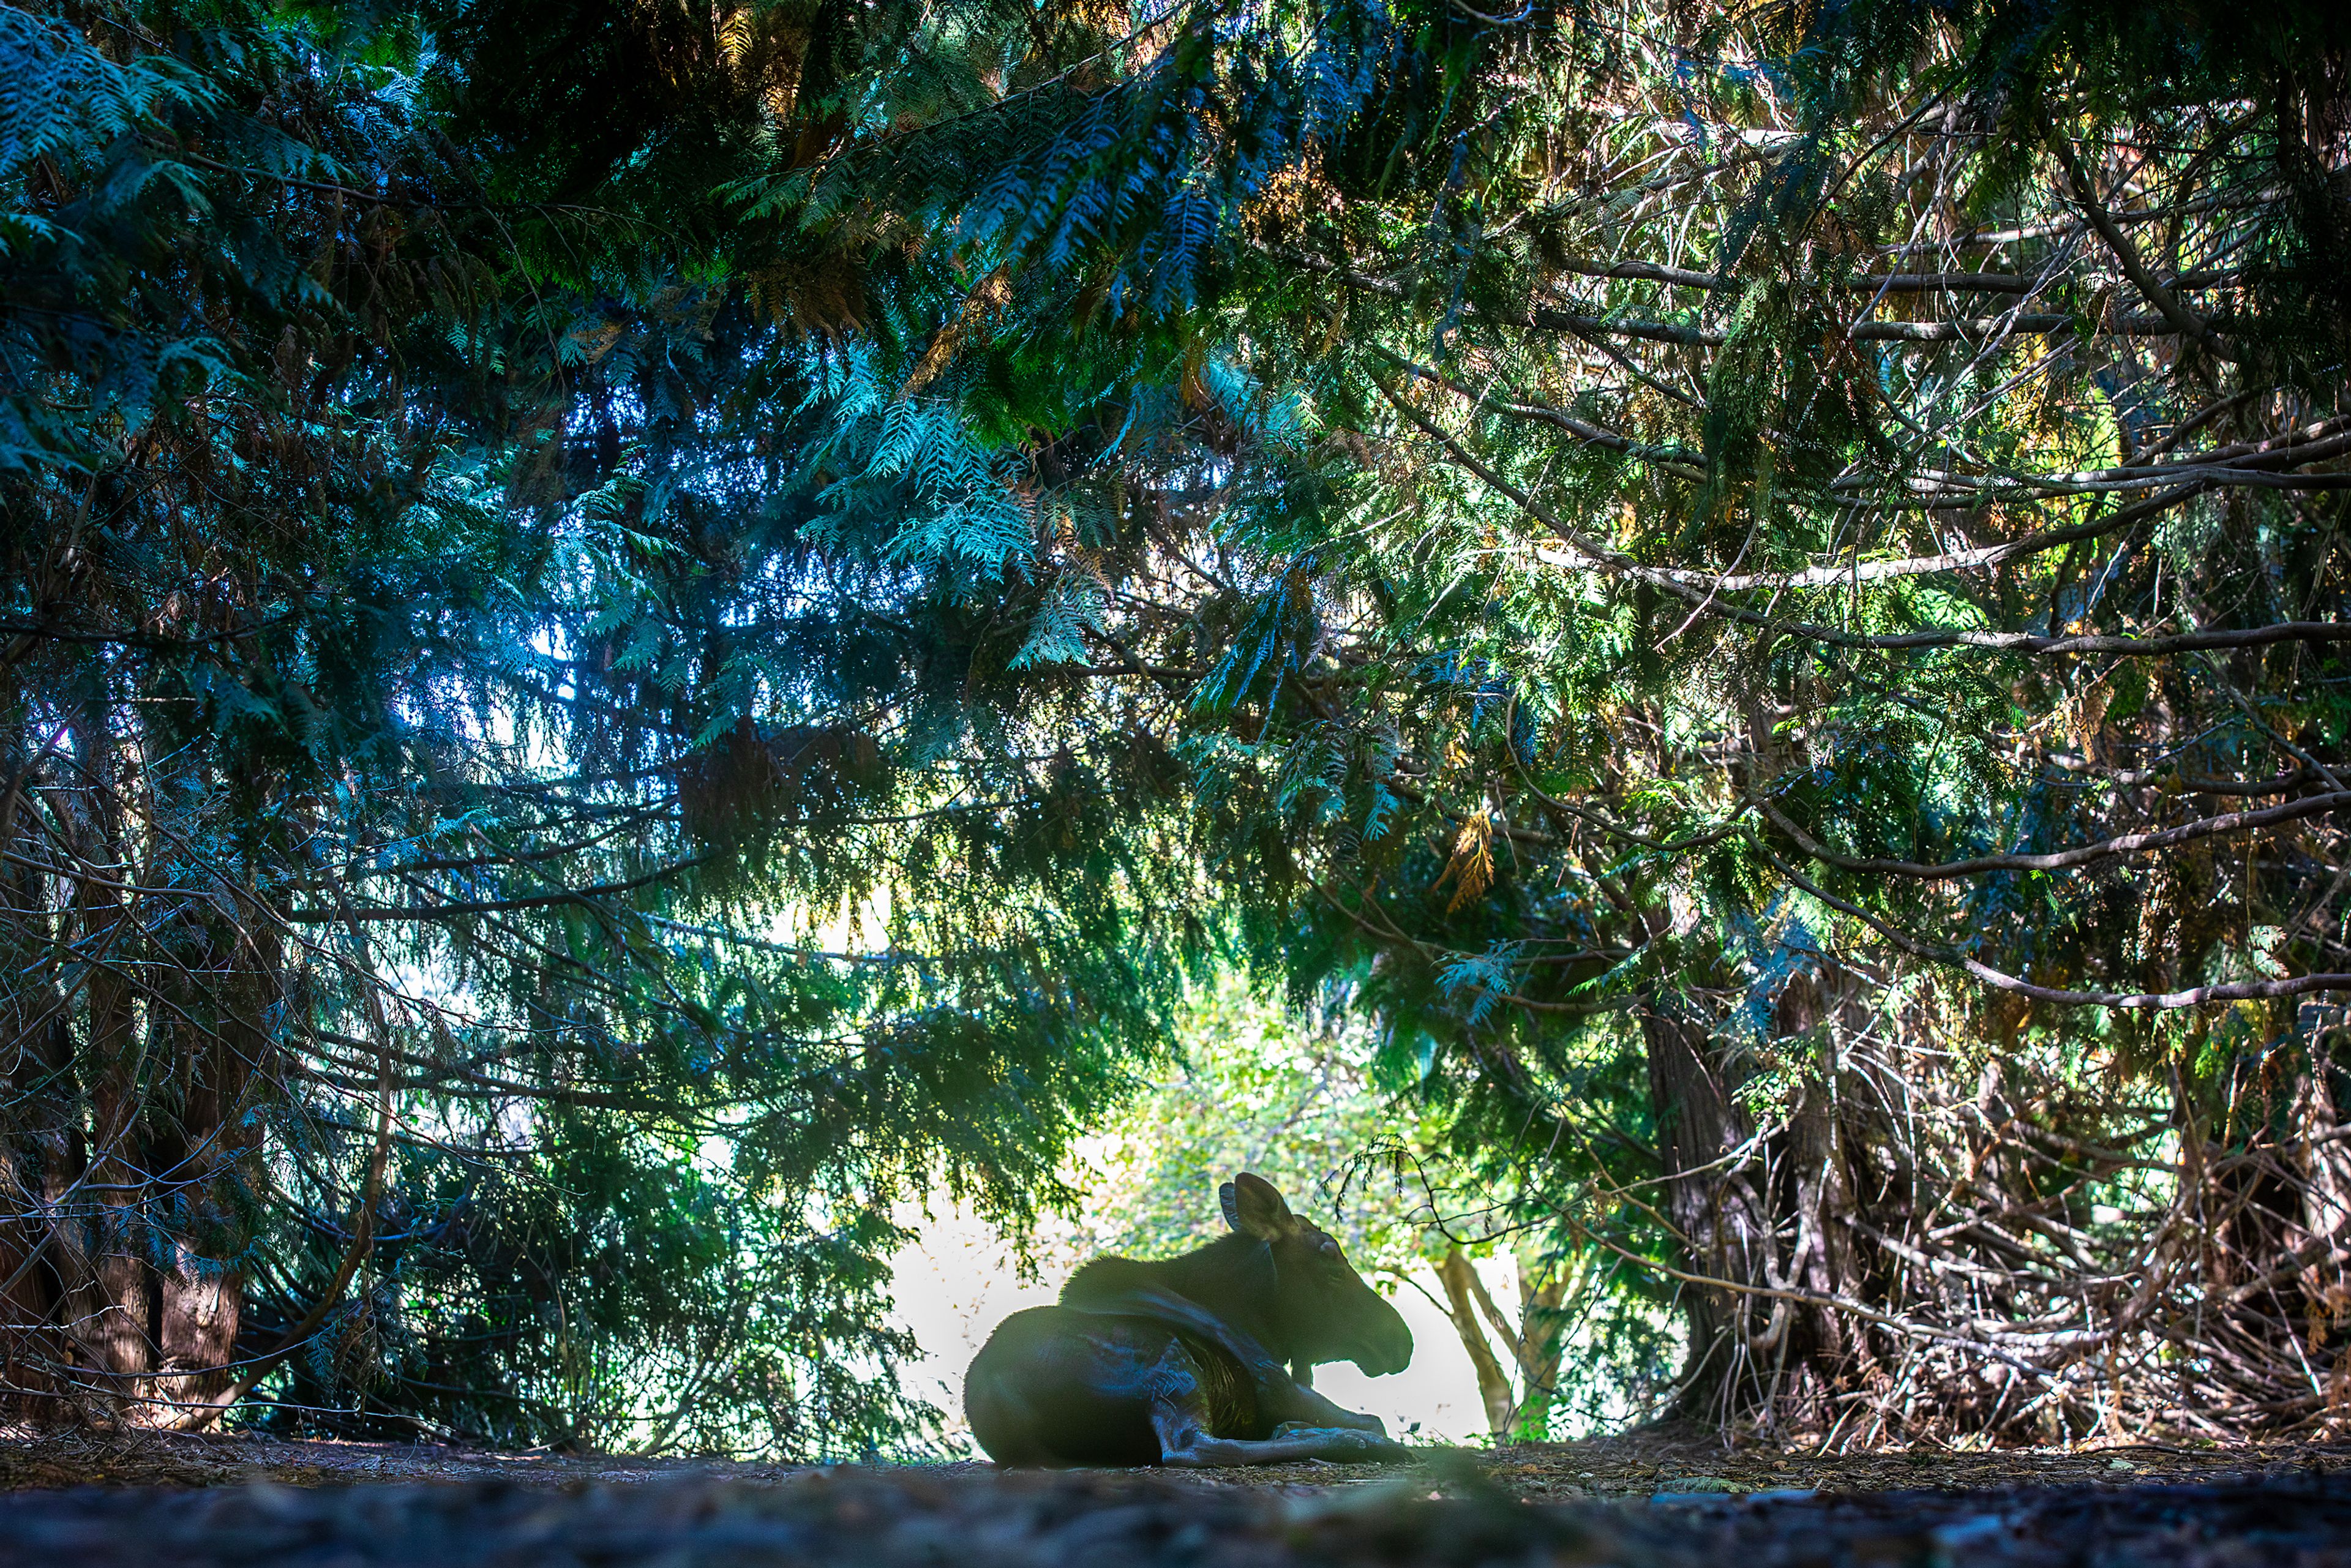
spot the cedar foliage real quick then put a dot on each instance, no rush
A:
(1758, 583)
(1762, 584)
(513, 865)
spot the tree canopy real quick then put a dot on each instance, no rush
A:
(512, 862)
(634, 628)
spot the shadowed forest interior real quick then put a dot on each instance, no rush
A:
(1686, 666)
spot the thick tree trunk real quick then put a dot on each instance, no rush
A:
(130, 1063)
(1766, 1215)
(115, 1320)
(1721, 1218)
(205, 1150)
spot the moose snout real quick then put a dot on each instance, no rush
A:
(1388, 1347)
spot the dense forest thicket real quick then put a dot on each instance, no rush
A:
(628, 631)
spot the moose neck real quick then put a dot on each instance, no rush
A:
(1234, 1278)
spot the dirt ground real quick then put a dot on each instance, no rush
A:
(1657, 1499)
(1635, 1465)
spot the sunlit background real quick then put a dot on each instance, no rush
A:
(1299, 1097)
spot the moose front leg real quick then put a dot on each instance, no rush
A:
(1180, 1419)
(1301, 1407)
(1184, 1440)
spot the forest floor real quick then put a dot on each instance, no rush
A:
(1637, 1464)
(1652, 1499)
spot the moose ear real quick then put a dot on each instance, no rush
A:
(1255, 1208)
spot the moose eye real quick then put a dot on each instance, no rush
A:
(1330, 1248)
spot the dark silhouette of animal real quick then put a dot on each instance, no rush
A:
(1205, 1359)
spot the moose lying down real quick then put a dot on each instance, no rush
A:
(1190, 1361)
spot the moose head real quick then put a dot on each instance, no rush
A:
(1322, 1310)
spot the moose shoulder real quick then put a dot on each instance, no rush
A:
(1205, 1359)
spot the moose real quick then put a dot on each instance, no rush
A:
(1201, 1360)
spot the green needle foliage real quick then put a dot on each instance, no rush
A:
(633, 629)
(1761, 585)
(524, 831)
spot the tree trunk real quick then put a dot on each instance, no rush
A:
(205, 1146)
(1721, 1219)
(1540, 1292)
(1493, 1384)
(129, 1059)
(116, 1323)
(1767, 1221)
